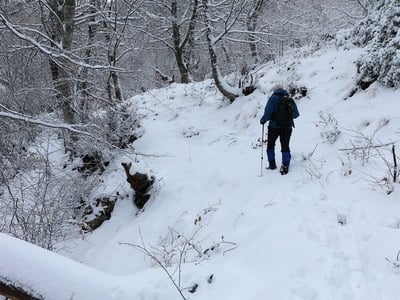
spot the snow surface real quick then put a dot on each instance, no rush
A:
(327, 230)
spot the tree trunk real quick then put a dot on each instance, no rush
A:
(85, 85)
(62, 26)
(222, 86)
(117, 87)
(113, 85)
(251, 27)
(180, 45)
(66, 86)
(180, 61)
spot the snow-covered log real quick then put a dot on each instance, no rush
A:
(30, 272)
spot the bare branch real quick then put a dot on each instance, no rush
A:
(366, 147)
(144, 249)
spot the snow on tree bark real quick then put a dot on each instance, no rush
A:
(228, 91)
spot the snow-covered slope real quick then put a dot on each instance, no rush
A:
(327, 230)
(272, 236)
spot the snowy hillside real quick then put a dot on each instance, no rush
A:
(226, 228)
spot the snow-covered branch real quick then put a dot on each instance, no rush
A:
(74, 128)
(23, 118)
(49, 51)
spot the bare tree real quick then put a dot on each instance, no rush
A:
(56, 43)
(226, 12)
(61, 28)
(115, 25)
(252, 23)
(78, 68)
(175, 24)
(58, 58)
(85, 84)
(181, 40)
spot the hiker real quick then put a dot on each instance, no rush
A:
(280, 115)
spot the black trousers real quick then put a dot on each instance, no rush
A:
(284, 138)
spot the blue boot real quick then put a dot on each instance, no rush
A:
(285, 162)
(271, 154)
(271, 159)
(286, 158)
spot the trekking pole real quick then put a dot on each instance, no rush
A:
(262, 149)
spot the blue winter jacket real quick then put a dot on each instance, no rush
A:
(270, 108)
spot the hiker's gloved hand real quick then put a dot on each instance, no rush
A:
(262, 121)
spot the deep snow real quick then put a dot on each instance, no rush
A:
(260, 237)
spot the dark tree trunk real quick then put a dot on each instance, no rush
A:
(219, 82)
(117, 87)
(180, 45)
(180, 61)
(62, 31)
(85, 85)
(113, 84)
(61, 26)
(251, 27)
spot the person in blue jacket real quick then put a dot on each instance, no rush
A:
(276, 130)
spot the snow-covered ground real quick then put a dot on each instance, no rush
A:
(328, 230)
